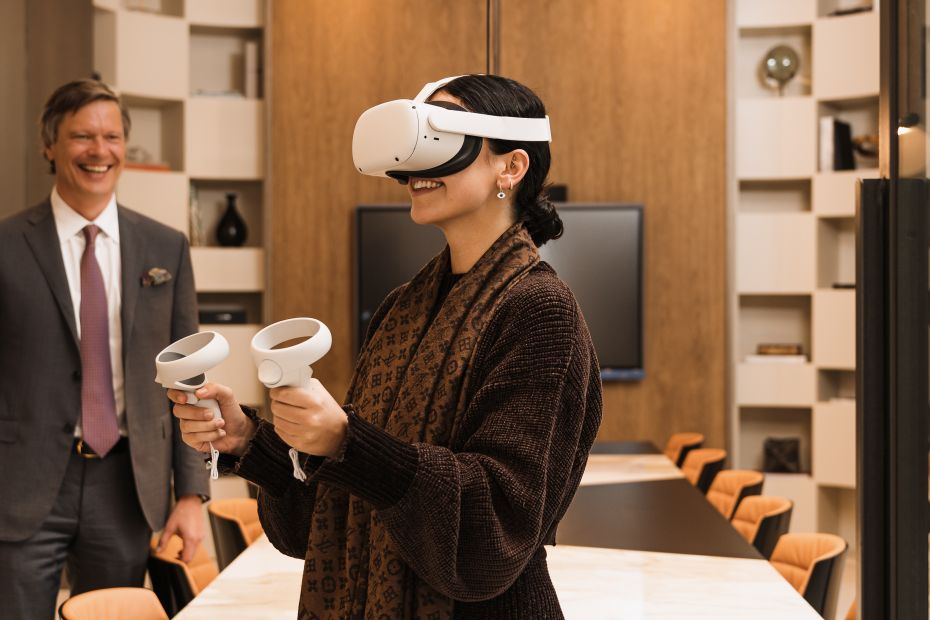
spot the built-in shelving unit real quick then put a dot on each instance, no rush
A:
(191, 74)
(794, 246)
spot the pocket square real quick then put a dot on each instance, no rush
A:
(156, 276)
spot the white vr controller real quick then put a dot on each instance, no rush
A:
(290, 366)
(183, 365)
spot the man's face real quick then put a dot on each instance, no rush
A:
(88, 154)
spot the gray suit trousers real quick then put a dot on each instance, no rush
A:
(96, 528)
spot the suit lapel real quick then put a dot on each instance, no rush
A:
(46, 247)
(132, 252)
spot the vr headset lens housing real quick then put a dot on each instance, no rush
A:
(396, 139)
(412, 138)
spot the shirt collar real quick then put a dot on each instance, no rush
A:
(70, 223)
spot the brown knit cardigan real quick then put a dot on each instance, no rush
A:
(492, 500)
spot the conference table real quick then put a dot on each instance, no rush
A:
(638, 542)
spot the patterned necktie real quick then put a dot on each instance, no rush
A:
(98, 406)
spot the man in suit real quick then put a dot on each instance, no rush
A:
(90, 292)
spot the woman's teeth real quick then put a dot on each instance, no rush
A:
(423, 184)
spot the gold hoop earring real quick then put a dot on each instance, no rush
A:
(500, 192)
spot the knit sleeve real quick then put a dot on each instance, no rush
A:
(285, 505)
(469, 519)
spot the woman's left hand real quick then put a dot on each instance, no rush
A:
(309, 420)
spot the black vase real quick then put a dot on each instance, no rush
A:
(231, 231)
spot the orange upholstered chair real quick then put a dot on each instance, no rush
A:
(175, 582)
(702, 465)
(113, 604)
(762, 519)
(813, 564)
(235, 525)
(679, 444)
(730, 487)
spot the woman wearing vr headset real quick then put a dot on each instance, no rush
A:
(432, 492)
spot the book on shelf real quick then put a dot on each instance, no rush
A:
(779, 348)
(836, 146)
(775, 359)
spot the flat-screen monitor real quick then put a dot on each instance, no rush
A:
(599, 256)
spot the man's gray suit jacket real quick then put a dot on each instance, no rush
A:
(40, 367)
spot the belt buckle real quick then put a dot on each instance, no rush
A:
(79, 448)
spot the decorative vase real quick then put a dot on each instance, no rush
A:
(231, 231)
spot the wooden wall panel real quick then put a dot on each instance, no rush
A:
(330, 62)
(637, 96)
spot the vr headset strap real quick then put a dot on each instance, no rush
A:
(487, 126)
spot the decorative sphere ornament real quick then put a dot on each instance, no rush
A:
(780, 64)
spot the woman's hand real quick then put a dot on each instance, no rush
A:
(309, 420)
(199, 427)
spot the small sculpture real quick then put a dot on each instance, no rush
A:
(779, 65)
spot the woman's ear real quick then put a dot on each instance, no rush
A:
(515, 165)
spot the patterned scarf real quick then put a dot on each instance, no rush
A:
(410, 381)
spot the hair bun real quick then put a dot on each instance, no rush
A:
(543, 221)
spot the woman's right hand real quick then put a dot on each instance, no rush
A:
(229, 434)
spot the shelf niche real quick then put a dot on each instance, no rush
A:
(791, 196)
(211, 203)
(760, 423)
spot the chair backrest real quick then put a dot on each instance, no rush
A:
(730, 487)
(680, 444)
(851, 613)
(175, 582)
(113, 604)
(702, 465)
(762, 519)
(813, 564)
(235, 526)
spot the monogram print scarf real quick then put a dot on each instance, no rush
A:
(409, 380)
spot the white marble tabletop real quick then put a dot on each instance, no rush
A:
(608, 584)
(617, 468)
(592, 584)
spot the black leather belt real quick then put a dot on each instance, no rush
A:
(88, 453)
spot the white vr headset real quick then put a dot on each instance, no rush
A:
(411, 138)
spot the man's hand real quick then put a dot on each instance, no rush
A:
(186, 520)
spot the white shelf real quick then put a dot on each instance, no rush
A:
(846, 56)
(238, 370)
(235, 270)
(776, 385)
(834, 329)
(834, 193)
(834, 439)
(776, 138)
(142, 54)
(775, 253)
(225, 138)
(226, 13)
(768, 14)
(162, 196)
(802, 490)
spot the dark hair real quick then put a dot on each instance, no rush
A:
(70, 98)
(500, 96)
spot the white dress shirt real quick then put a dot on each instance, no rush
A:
(70, 225)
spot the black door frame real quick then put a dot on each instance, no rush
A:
(892, 336)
